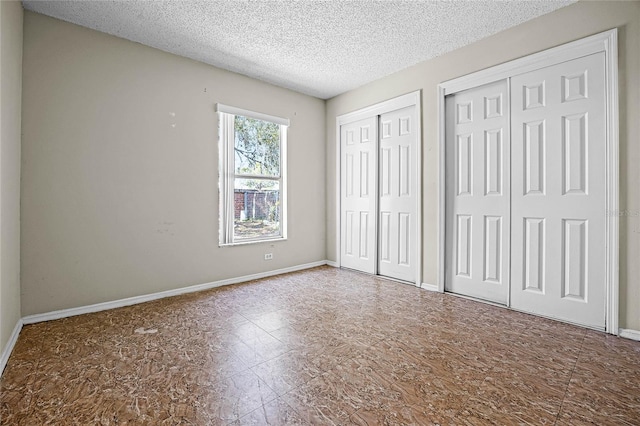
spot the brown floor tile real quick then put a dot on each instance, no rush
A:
(15, 405)
(401, 414)
(235, 397)
(325, 400)
(516, 399)
(276, 413)
(322, 346)
(606, 411)
(287, 371)
(613, 397)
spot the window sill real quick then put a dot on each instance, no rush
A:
(245, 243)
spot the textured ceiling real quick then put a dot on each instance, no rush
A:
(321, 48)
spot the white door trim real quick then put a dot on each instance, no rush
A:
(410, 99)
(606, 42)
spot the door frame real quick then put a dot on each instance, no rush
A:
(606, 42)
(390, 105)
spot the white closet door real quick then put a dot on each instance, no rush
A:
(397, 194)
(558, 191)
(359, 141)
(477, 193)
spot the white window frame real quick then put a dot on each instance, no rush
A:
(227, 175)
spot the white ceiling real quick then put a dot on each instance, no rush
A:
(321, 48)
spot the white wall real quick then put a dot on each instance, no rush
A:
(564, 25)
(10, 101)
(115, 201)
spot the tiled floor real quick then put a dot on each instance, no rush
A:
(322, 346)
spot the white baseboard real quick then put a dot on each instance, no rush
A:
(430, 287)
(63, 313)
(6, 352)
(332, 263)
(629, 334)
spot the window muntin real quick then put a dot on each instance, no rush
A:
(252, 178)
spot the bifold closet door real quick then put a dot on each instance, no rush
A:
(558, 191)
(477, 192)
(359, 147)
(398, 177)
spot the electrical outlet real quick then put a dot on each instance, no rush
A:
(268, 256)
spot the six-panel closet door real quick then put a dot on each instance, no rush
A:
(358, 199)
(558, 191)
(379, 190)
(525, 191)
(477, 226)
(397, 179)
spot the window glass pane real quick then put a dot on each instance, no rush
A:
(257, 147)
(256, 209)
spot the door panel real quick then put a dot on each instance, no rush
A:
(477, 192)
(358, 195)
(533, 256)
(398, 175)
(558, 191)
(492, 248)
(463, 245)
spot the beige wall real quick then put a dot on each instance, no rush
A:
(564, 25)
(115, 201)
(10, 100)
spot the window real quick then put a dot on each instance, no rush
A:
(252, 176)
